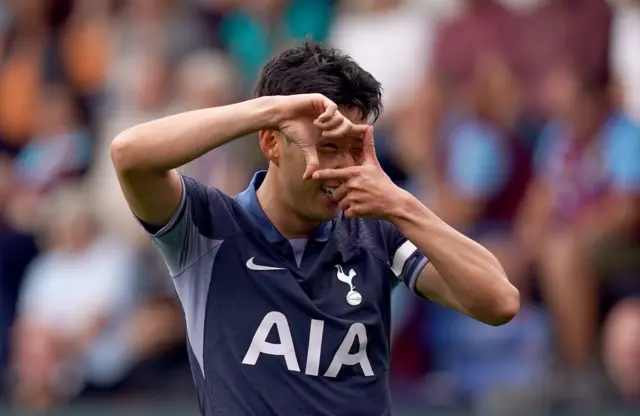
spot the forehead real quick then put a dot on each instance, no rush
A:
(352, 114)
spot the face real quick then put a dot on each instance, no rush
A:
(309, 198)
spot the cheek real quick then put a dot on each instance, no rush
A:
(326, 159)
(293, 159)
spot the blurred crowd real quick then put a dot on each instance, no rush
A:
(516, 121)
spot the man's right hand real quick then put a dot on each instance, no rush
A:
(306, 118)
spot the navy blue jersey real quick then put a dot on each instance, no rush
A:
(275, 333)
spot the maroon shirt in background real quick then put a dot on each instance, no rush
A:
(562, 31)
(485, 29)
(575, 31)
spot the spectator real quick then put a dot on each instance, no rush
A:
(584, 200)
(205, 79)
(85, 52)
(74, 296)
(155, 336)
(467, 95)
(25, 44)
(17, 249)
(483, 28)
(60, 148)
(256, 29)
(392, 41)
(554, 31)
(483, 171)
(138, 88)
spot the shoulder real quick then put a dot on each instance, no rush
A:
(210, 209)
(374, 236)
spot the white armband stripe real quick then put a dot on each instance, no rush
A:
(402, 255)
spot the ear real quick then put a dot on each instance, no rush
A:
(270, 145)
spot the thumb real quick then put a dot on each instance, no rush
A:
(369, 148)
(311, 159)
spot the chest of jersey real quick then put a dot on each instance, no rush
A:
(329, 316)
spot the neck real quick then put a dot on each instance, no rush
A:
(280, 213)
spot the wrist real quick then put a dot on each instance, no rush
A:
(402, 206)
(269, 113)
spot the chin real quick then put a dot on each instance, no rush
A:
(325, 212)
(329, 215)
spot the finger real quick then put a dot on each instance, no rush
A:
(347, 129)
(340, 131)
(311, 159)
(369, 148)
(340, 192)
(335, 121)
(330, 110)
(359, 130)
(340, 174)
(345, 204)
(349, 211)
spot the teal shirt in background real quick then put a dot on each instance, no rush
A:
(252, 43)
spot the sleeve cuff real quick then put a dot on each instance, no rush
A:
(413, 272)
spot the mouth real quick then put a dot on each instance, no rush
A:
(327, 189)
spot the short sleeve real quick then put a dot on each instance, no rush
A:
(405, 260)
(623, 157)
(478, 163)
(204, 217)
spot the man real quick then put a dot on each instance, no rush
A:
(580, 225)
(286, 287)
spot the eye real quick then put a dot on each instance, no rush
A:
(330, 146)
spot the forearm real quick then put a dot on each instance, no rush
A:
(474, 278)
(145, 156)
(173, 141)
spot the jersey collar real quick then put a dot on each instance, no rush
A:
(248, 200)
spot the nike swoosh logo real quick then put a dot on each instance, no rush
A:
(252, 266)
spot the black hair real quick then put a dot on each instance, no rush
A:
(314, 68)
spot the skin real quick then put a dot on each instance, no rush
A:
(287, 195)
(564, 253)
(309, 143)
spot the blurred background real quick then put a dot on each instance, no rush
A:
(514, 120)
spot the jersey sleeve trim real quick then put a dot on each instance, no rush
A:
(414, 267)
(408, 262)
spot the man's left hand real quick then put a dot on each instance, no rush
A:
(366, 190)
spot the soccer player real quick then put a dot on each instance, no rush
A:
(286, 287)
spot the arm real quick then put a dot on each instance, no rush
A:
(534, 218)
(461, 273)
(146, 156)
